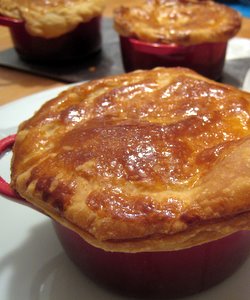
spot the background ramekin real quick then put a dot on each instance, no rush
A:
(206, 58)
(77, 44)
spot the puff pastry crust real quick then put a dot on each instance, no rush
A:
(145, 161)
(182, 22)
(51, 18)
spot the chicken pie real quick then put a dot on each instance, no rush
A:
(53, 31)
(187, 33)
(145, 161)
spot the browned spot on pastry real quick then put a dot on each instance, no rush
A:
(142, 208)
(54, 191)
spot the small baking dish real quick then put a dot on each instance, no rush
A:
(77, 44)
(156, 274)
(191, 34)
(206, 58)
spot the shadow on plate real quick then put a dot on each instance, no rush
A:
(235, 71)
(39, 268)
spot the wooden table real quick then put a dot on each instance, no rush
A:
(17, 84)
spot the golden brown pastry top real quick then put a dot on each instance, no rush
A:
(51, 18)
(182, 22)
(143, 161)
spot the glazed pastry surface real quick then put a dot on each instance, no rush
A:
(51, 18)
(181, 22)
(144, 161)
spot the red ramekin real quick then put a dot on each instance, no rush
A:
(77, 44)
(206, 58)
(150, 274)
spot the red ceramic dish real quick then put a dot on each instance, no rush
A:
(207, 58)
(161, 274)
(84, 40)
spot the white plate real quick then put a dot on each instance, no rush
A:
(33, 265)
(238, 48)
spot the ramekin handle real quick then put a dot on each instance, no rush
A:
(9, 22)
(5, 188)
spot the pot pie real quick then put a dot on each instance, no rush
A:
(145, 161)
(187, 33)
(51, 18)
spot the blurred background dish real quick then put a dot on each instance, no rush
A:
(192, 34)
(246, 2)
(53, 31)
(241, 5)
